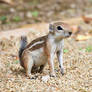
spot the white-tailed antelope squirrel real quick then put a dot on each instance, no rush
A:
(42, 50)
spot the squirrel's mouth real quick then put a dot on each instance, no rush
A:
(68, 36)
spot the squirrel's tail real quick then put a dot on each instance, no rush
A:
(23, 44)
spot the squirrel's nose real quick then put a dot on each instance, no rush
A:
(70, 33)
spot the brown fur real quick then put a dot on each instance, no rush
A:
(51, 44)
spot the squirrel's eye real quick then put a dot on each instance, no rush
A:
(59, 28)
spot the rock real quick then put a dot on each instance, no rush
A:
(45, 78)
(12, 10)
(28, 14)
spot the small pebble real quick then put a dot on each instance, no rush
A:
(45, 78)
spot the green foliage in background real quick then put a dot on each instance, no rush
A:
(65, 50)
(34, 13)
(3, 18)
(16, 62)
(16, 18)
(80, 49)
(88, 49)
(35, 2)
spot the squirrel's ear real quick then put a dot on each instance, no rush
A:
(51, 27)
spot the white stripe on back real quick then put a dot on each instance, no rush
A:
(36, 43)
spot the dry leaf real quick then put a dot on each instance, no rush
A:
(7, 2)
(87, 19)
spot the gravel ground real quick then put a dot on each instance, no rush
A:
(77, 55)
(77, 64)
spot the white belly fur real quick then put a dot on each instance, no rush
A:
(39, 57)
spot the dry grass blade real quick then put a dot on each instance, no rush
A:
(87, 19)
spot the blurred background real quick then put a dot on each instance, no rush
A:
(15, 13)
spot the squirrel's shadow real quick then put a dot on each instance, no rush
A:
(22, 72)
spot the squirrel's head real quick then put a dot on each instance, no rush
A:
(60, 30)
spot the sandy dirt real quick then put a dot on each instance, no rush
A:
(77, 64)
(77, 55)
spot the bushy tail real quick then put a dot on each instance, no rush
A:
(23, 44)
